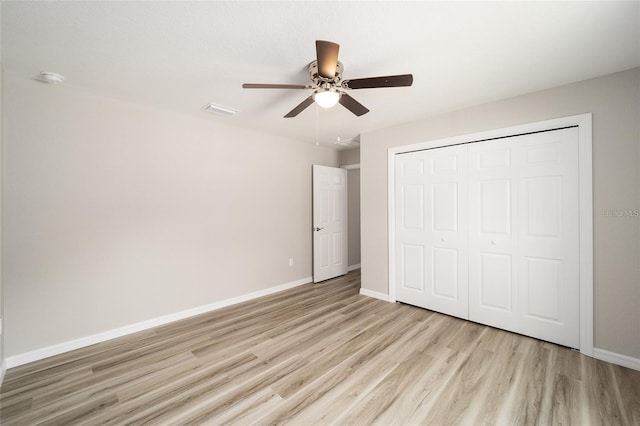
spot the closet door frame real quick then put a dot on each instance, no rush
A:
(583, 122)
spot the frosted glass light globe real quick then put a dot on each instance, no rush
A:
(326, 98)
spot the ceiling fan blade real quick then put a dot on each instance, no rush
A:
(327, 55)
(352, 105)
(401, 80)
(276, 86)
(301, 107)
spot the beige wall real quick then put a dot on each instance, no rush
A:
(614, 101)
(346, 157)
(116, 213)
(349, 156)
(1, 280)
(353, 206)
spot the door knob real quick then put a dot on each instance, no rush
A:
(493, 242)
(318, 229)
(443, 239)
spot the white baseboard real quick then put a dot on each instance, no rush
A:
(616, 358)
(3, 369)
(353, 267)
(374, 294)
(38, 354)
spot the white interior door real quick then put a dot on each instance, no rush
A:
(431, 230)
(524, 235)
(329, 222)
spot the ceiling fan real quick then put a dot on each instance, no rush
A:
(328, 86)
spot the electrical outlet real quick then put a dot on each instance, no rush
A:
(291, 261)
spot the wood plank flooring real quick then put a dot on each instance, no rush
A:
(321, 354)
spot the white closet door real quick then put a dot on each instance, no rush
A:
(431, 230)
(524, 235)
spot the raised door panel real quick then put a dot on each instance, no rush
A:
(445, 277)
(412, 268)
(542, 285)
(494, 207)
(322, 251)
(412, 205)
(445, 207)
(495, 281)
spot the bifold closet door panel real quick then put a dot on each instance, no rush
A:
(431, 230)
(524, 235)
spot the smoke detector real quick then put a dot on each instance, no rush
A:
(50, 77)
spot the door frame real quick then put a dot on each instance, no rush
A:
(585, 164)
(348, 168)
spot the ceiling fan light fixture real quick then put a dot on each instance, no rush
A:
(326, 98)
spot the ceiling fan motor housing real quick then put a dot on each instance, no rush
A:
(321, 81)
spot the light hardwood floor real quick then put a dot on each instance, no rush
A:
(321, 354)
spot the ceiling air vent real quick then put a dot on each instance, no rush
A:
(349, 143)
(221, 110)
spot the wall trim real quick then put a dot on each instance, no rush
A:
(374, 294)
(616, 358)
(353, 267)
(584, 123)
(59, 348)
(351, 167)
(3, 369)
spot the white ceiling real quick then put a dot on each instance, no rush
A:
(182, 55)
